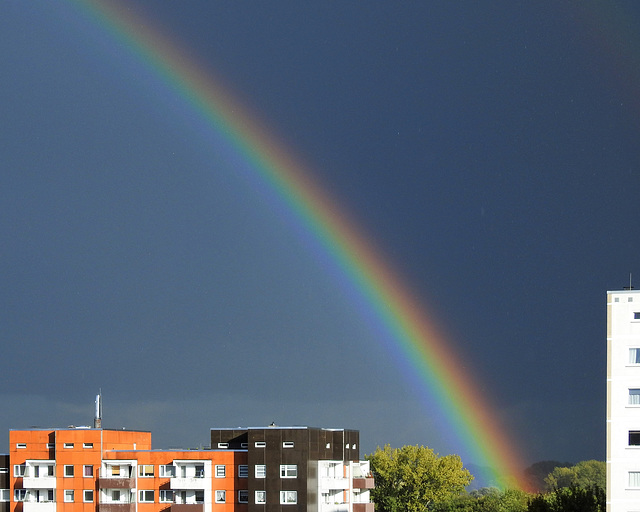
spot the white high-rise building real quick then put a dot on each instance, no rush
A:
(623, 401)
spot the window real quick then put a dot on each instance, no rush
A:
(68, 471)
(200, 470)
(221, 496)
(87, 496)
(634, 356)
(223, 445)
(288, 444)
(20, 470)
(634, 437)
(68, 445)
(261, 496)
(5, 494)
(50, 446)
(634, 478)
(166, 496)
(243, 471)
(328, 446)
(115, 470)
(288, 497)
(167, 471)
(115, 495)
(629, 299)
(244, 445)
(87, 471)
(19, 494)
(636, 315)
(21, 445)
(146, 470)
(260, 444)
(634, 397)
(4, 470)
(243, 496)
(68, 496)
(146, 497)
(87, 445)
(288, 471)
(50, 471)
(220, 471)
(261, 471)
(199, 496)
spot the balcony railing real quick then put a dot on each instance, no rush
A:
(39, 506)
(189, 482)
(328, 483)
(187, 507)
(363, 507)
(117, 507)
(116, 483)
(363, 483)
(42, 482)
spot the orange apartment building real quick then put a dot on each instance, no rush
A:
(82, 469)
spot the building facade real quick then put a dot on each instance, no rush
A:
(623, 401)
(267, 469)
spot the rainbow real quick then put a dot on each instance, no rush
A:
(415, 337)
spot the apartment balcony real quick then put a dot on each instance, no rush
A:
(337, 507)
(363, 483)
(187, 483)
(187, 507)
(363, 507)
(328, 483)
(116, 507)
(42, 482)
(39, 506)
(116, 483)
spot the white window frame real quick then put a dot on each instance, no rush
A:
(634, 479)
(260, 444)
(20, 470)
(288, 497)
(142, 473)
(87, 445)
(223, 446)
(167, 470)
(69, 496)
(143, 496)
(19, 494)
(5, 495)
(221, 496)
(243, 471)
(166, 496)
(84, 471)
(261, 471)
(87, 496)
(221, 471)
(288, 471)
(68, 445)
(243, 496)
(69, 471)
(260, 497)
(51, 446)
(288, 444)
(21, 446)
(634, 397)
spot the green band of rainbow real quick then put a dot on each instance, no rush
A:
(425, 349)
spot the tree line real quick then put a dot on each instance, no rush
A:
(416, 479)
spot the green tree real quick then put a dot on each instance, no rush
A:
(584, 474)
(486, 499)
(570, 499)
(410, 478)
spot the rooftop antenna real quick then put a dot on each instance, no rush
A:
(97, 420)
(630, 287)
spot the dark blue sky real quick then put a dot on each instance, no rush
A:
(489, 149)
